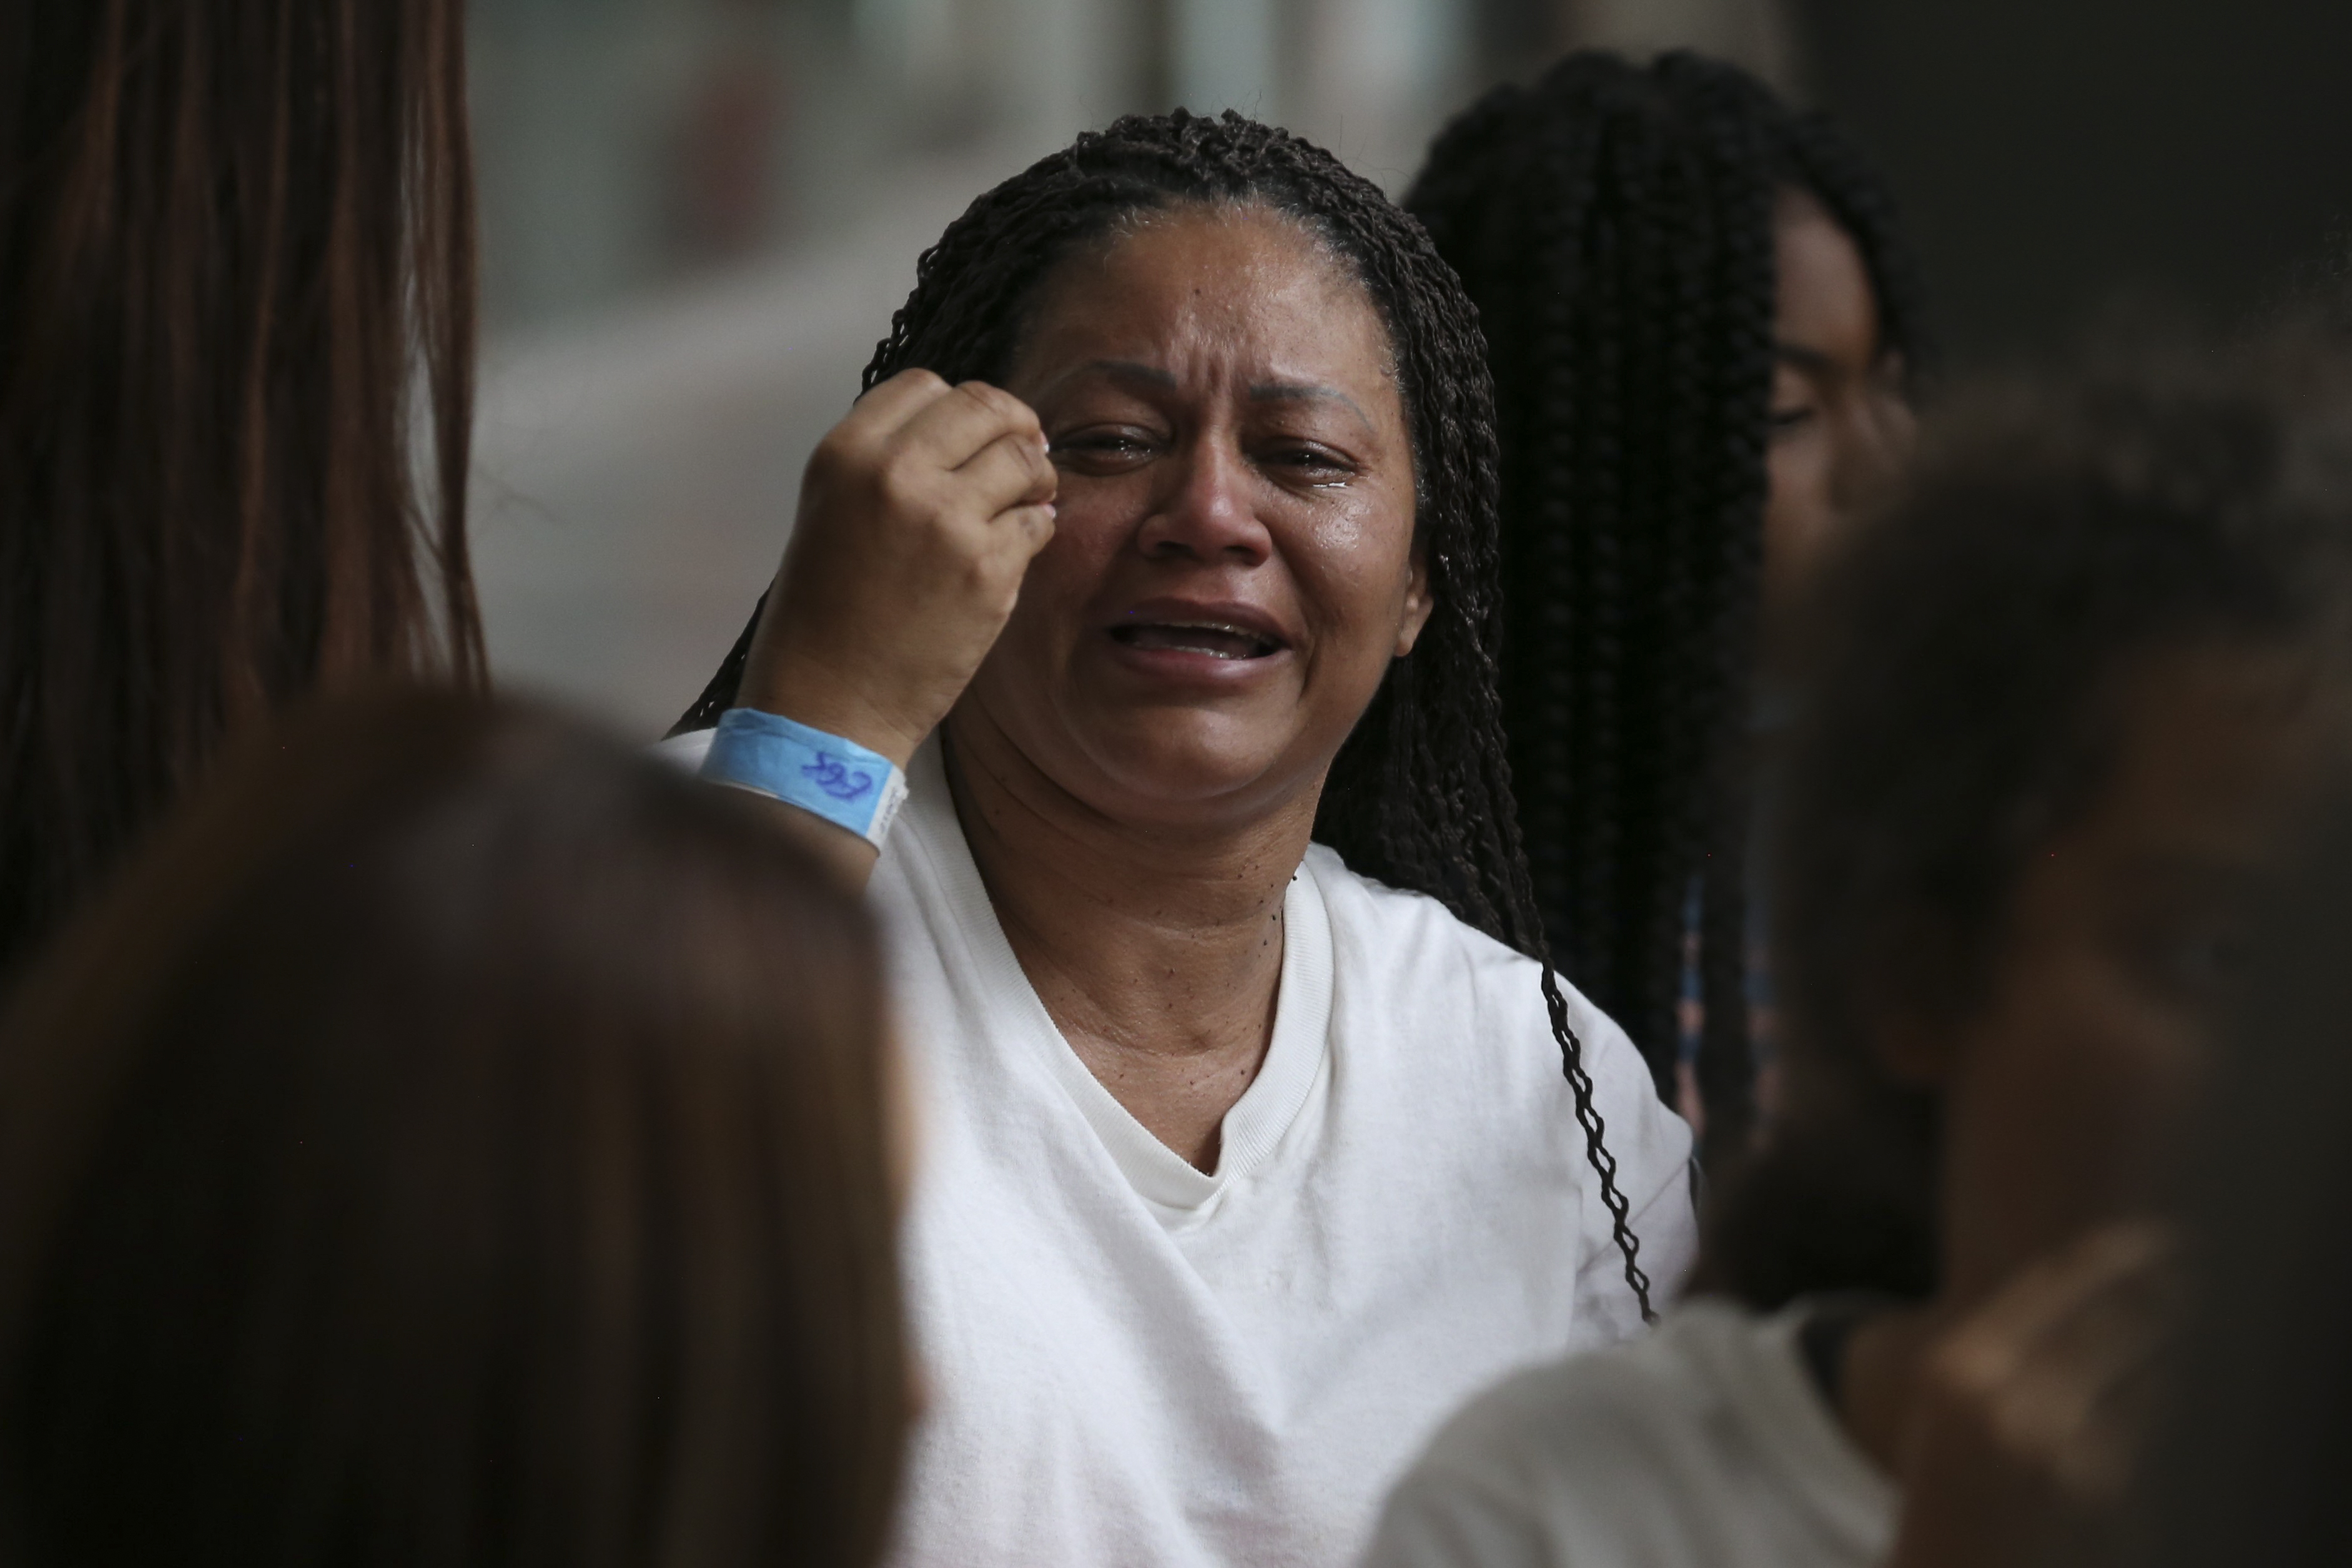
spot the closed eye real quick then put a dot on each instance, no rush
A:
(1104, 450)
(1314, 465)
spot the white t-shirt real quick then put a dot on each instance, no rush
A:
(1706, 1445)
(1131, 1364)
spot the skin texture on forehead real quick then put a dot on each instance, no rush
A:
(1258, 287)
(1246, 214)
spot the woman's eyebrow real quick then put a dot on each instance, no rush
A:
(1153, 376)
(1133, 371)
(1287, 392)
(1130, 371)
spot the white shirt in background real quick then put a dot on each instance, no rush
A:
(1706, 1445)
(1131, 1364)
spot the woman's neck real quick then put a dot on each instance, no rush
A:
(1156, 951)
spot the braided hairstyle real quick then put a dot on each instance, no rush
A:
(1615, 226)
(1420, 794)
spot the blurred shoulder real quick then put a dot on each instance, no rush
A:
(1580, 1415)
(1673, 1449)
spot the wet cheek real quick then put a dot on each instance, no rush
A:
(1078, 557)
(1050, 616)
(1351, 565)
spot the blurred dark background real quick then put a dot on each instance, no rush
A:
(2056, 156)
(699, 215)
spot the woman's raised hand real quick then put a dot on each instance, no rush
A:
(918, 515)
(2032, 1410)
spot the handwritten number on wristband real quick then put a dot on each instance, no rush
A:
(835, 778)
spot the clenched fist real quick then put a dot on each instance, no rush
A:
(918, 515)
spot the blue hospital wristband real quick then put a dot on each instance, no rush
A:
(821, 774)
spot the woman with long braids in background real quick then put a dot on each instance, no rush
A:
(1704, 331)
(2075, 694)
(1161, 543)
(237, 274)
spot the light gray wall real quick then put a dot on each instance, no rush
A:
(647, 408)
(650, 395)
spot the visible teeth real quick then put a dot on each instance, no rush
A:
(1216, 638)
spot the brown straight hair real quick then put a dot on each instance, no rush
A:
(460, 1140)
(237, 268)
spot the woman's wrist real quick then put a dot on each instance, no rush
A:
(827, 698)
(828, 775)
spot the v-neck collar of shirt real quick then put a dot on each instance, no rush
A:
(1252, 1130)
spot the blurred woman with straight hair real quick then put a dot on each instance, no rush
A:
(237, 274)
(459, 1141)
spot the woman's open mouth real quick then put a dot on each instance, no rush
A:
(1219, 639)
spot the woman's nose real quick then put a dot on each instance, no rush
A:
(1210, 514)
(1884, 432)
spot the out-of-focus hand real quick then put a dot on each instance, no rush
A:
(918, 515)
(2031, 1412)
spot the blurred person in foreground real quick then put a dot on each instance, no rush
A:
(1159, 562)
(2074, 693)
(459, 1140)
(1705, 335)
(2252, 1467)
(236, 287)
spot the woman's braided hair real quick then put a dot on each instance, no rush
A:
(1614, 224)
(1420, 796)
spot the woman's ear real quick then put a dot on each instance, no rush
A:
(1417, 605)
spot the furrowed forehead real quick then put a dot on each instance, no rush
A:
(1139, 223)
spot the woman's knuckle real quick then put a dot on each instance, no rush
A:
(1001, 404)
(901, 487)
(831, 456)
